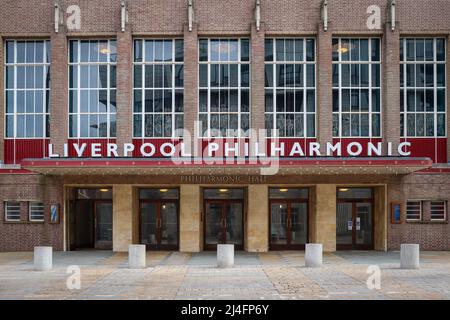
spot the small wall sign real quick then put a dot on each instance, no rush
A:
(54, 213)
(396, 213)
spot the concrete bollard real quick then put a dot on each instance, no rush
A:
(225, 255)
(43, 258)
(409, 256)
(313, 255)
(136, 256)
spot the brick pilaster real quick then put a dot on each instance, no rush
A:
(59, 92)
(257, 76)
(391, 87)
(124, 117)
(324, 85)
(190, 78)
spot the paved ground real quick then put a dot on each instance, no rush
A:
(273, 275)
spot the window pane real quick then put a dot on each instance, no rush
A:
(420, 50)
(168, 50)
(268, 75)
(430, 125)
(441, 124)
(429, 52)
(310, 75)
(268, 49)
(310, 119)
(364, 50)
(289, 49)
(376, 125)
(440, 103)
(354, 49)
(179, 50)
(20, 52)
(269, 101)
(440, 75)
(137, 50)
(420, 125)
(203, 48)
(9, 51)
(245, 51)
(310, 50)
(179, 76)
(280, 50)
(245, 75)
(440, 49)
(158, 55)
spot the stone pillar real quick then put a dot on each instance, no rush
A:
(124, 117)
(190, 78)
(313, 255)
(381, 216)
(225, 255)
(391, 95)
(324, 79)
(191, 234)
(257, 78)
(124, 210)
(323, 218)
(257, 222)
(43, 258)
(2, 106)
(59, 130)
(136, 256)
(409, 256)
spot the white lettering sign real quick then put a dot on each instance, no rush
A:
(214, 149)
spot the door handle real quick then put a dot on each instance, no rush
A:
(159, 224)
(224, 223)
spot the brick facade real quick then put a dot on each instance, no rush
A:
(101, 18)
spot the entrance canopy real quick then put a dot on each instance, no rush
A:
(176, 166)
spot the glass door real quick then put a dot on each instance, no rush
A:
(354, 225)
(103, 225)
(278, 224)
(363, 224)
(223, 223)
(159, 224)
(298, 223)
(168, 226)
(233, 223)
(214, 233)
(344, 224)
(288, 224)
(148, 225)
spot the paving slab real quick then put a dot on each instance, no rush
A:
(275, 275)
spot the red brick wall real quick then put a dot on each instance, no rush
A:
(169, 16)
(430, 235)
(24, 235)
